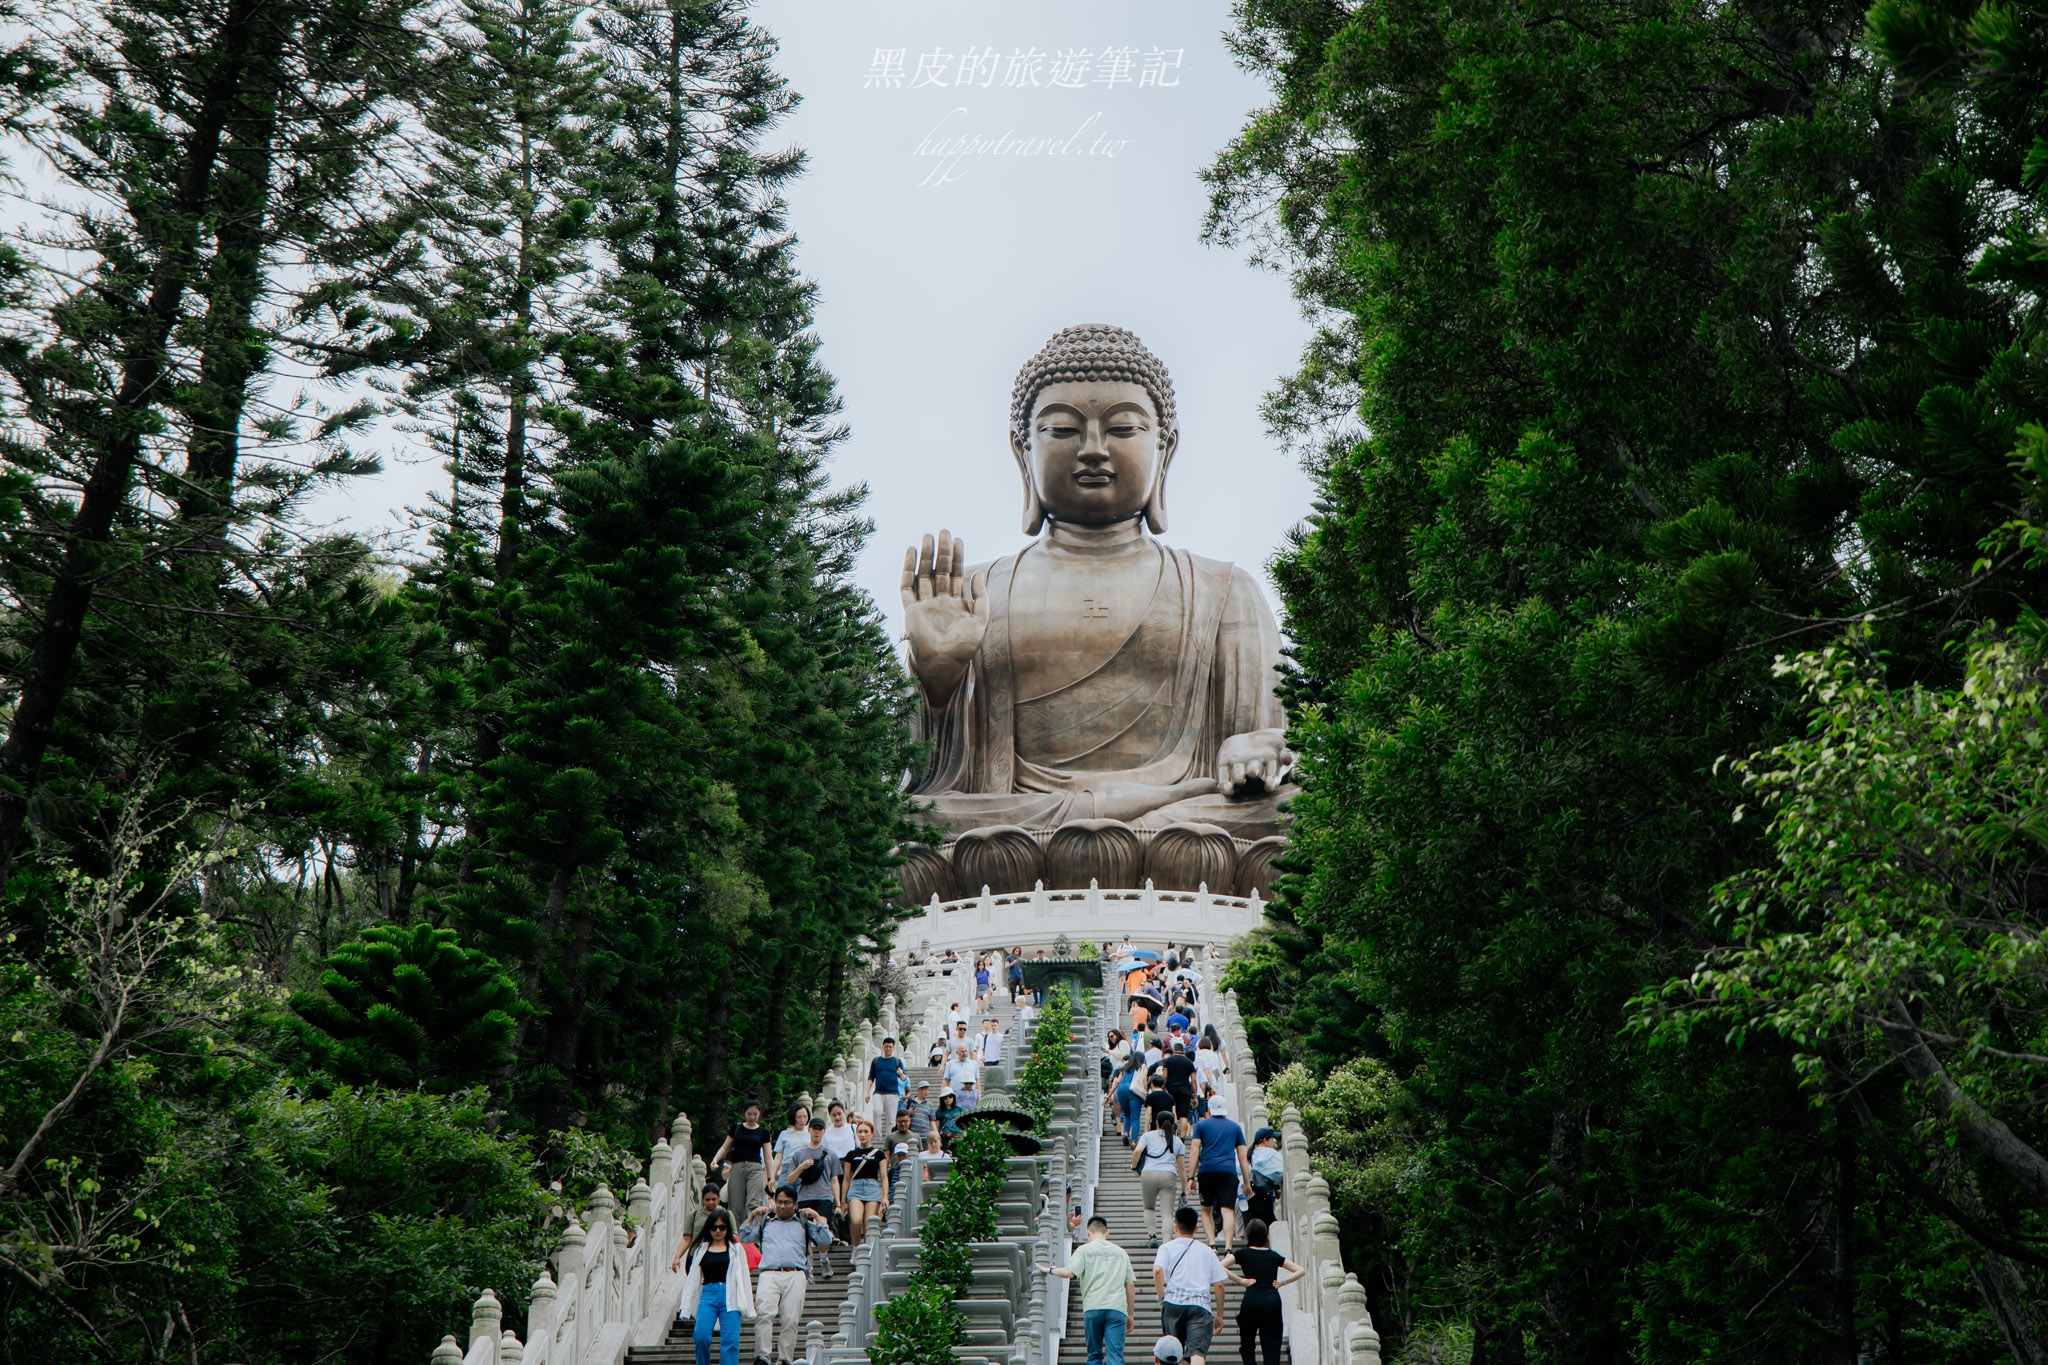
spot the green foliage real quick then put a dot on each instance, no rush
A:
(920, 1325)
(916, 1327)
(591, 796)
(964, 1208)
(410, 1007)
(389, 1210)
(1038, 1082)
(1657, 337)
(1894, 929)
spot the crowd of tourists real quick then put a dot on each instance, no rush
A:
(779, 1199)
(1164, 1082)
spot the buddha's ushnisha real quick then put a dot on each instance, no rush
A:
(1095, 672)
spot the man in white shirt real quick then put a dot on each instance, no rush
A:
(955, 1019)
(1189, 1281)
(962, 1068)
(991, 1042)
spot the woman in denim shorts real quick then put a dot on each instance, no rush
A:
(867, 1182)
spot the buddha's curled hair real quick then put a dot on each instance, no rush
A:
(1091, 353)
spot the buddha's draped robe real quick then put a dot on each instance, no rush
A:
(1197, 669)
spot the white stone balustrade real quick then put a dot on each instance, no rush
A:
(611, 1291)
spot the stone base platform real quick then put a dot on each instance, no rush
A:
(1006, 860)
(1037, 918)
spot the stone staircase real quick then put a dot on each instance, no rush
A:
(1117, 1199)
(821, 1305)
(610, 1302)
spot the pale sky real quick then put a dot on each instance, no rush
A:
(939, 276)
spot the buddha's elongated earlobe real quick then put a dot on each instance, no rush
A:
(1155, 506)
(1034, 510)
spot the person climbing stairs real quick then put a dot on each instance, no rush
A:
(1117, 1199)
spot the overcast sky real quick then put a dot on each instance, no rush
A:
(939, 275)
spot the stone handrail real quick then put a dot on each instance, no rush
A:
(1327, 1315)
(1039, 916)
(611, 1287)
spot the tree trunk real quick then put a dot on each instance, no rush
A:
(835, 995)
(1982, 1129)
(45, 675)
(565, 1024)
(773, 1028)
(550, 924)
(234, 284)
(717, 1050)
(1842, 1272)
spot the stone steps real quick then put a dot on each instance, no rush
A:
(821, 1305)
(1117, 1199)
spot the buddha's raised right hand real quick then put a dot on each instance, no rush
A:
(945, 614)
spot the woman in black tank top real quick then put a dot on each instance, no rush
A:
(1259, 1268)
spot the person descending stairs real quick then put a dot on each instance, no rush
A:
(821, 1304)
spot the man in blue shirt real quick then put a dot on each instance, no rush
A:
(1221, 1170)
(885, 1087)
(785, 1238)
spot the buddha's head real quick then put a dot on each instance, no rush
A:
(1092, 427)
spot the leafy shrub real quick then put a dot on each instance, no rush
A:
(920, 1325)
(1039, 1084)
(916, 1327)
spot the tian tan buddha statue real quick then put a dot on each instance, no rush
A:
(1097, 705)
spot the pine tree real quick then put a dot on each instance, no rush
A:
(410, 1008)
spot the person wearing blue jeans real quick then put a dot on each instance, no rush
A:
(1109, 1292)
(712, 1313)
(717, 1290)
(1128, 1099)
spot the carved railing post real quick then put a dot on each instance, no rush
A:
(510, 1352)
(447, 1353)
(540, 1314)
(661, 1163)
(486, 1321)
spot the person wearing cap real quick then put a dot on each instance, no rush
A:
(1109, 1292)
(1167, 1351)
(903, 1143)
(885, 1086)
(970, 1095)
(1189, 1280)
(820, 1182)
(920, 1108)
(1221, 1171)
(947, 1116)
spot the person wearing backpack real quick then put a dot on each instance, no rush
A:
(1161, 1164)
(1268, 1175)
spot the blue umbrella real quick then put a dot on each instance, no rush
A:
(1129, 964)
(1145, 953)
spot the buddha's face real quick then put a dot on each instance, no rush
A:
(1094, 452)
